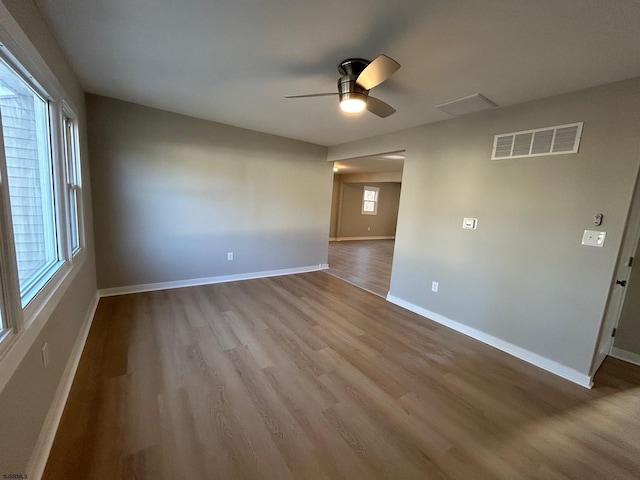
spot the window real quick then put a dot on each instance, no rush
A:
(370, 200)
(40, 195)
(25, 129)
(72, 165)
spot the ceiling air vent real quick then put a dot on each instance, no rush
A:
(462, 106)
(534, 143)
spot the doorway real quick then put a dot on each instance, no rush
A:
(626, 341)
(364, 215)
(620, 331)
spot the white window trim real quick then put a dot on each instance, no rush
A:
(68, 113)
(375, 210)
(16, 345)
(24, 325)
(59, 201)
(9, 274)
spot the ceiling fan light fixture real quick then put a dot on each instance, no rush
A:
(358, 76)
(353, 98)
(353, 105)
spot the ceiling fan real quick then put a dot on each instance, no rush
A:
(358, 76)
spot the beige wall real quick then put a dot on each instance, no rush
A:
(335, 206)
(522, 277)
(173, 194)
(27, 397)
(354, 224)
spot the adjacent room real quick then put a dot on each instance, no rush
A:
(364, 215)
(333, 240)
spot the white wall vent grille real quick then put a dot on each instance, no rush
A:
(534, 143)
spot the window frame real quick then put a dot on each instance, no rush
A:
(49, 271)
(72, 179)
(23, 322)
(375, 202)
(9, 284)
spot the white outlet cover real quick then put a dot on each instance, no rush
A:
(434, 286)
(593, 238)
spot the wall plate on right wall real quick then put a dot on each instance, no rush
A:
(593, 238)
(470, 223)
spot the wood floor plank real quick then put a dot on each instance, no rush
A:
(288, 436)
(366, 263)
(308, 377)
(240, 427)
(371, 441)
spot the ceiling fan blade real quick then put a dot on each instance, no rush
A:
(381, 68)
(379, 108)
(311, 95)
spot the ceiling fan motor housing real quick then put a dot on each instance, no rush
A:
(352, 66)
(348, 89)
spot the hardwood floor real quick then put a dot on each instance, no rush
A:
(308, 377)
(365, 263)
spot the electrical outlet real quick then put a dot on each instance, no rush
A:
(593, 238)
(368, 229)
(230, 256)
(434, 286)
(45, 355)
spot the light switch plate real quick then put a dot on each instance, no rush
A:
(593, 238)
(470, 223)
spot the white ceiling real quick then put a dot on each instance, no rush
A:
(233, 61)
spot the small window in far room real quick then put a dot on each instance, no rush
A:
(370, 200)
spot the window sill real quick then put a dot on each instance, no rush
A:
(15, 345)
(7, 337)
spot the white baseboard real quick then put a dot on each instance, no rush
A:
(347, 239)
(519, 352)
(47, 434)
(150, 287)
(625, 355)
